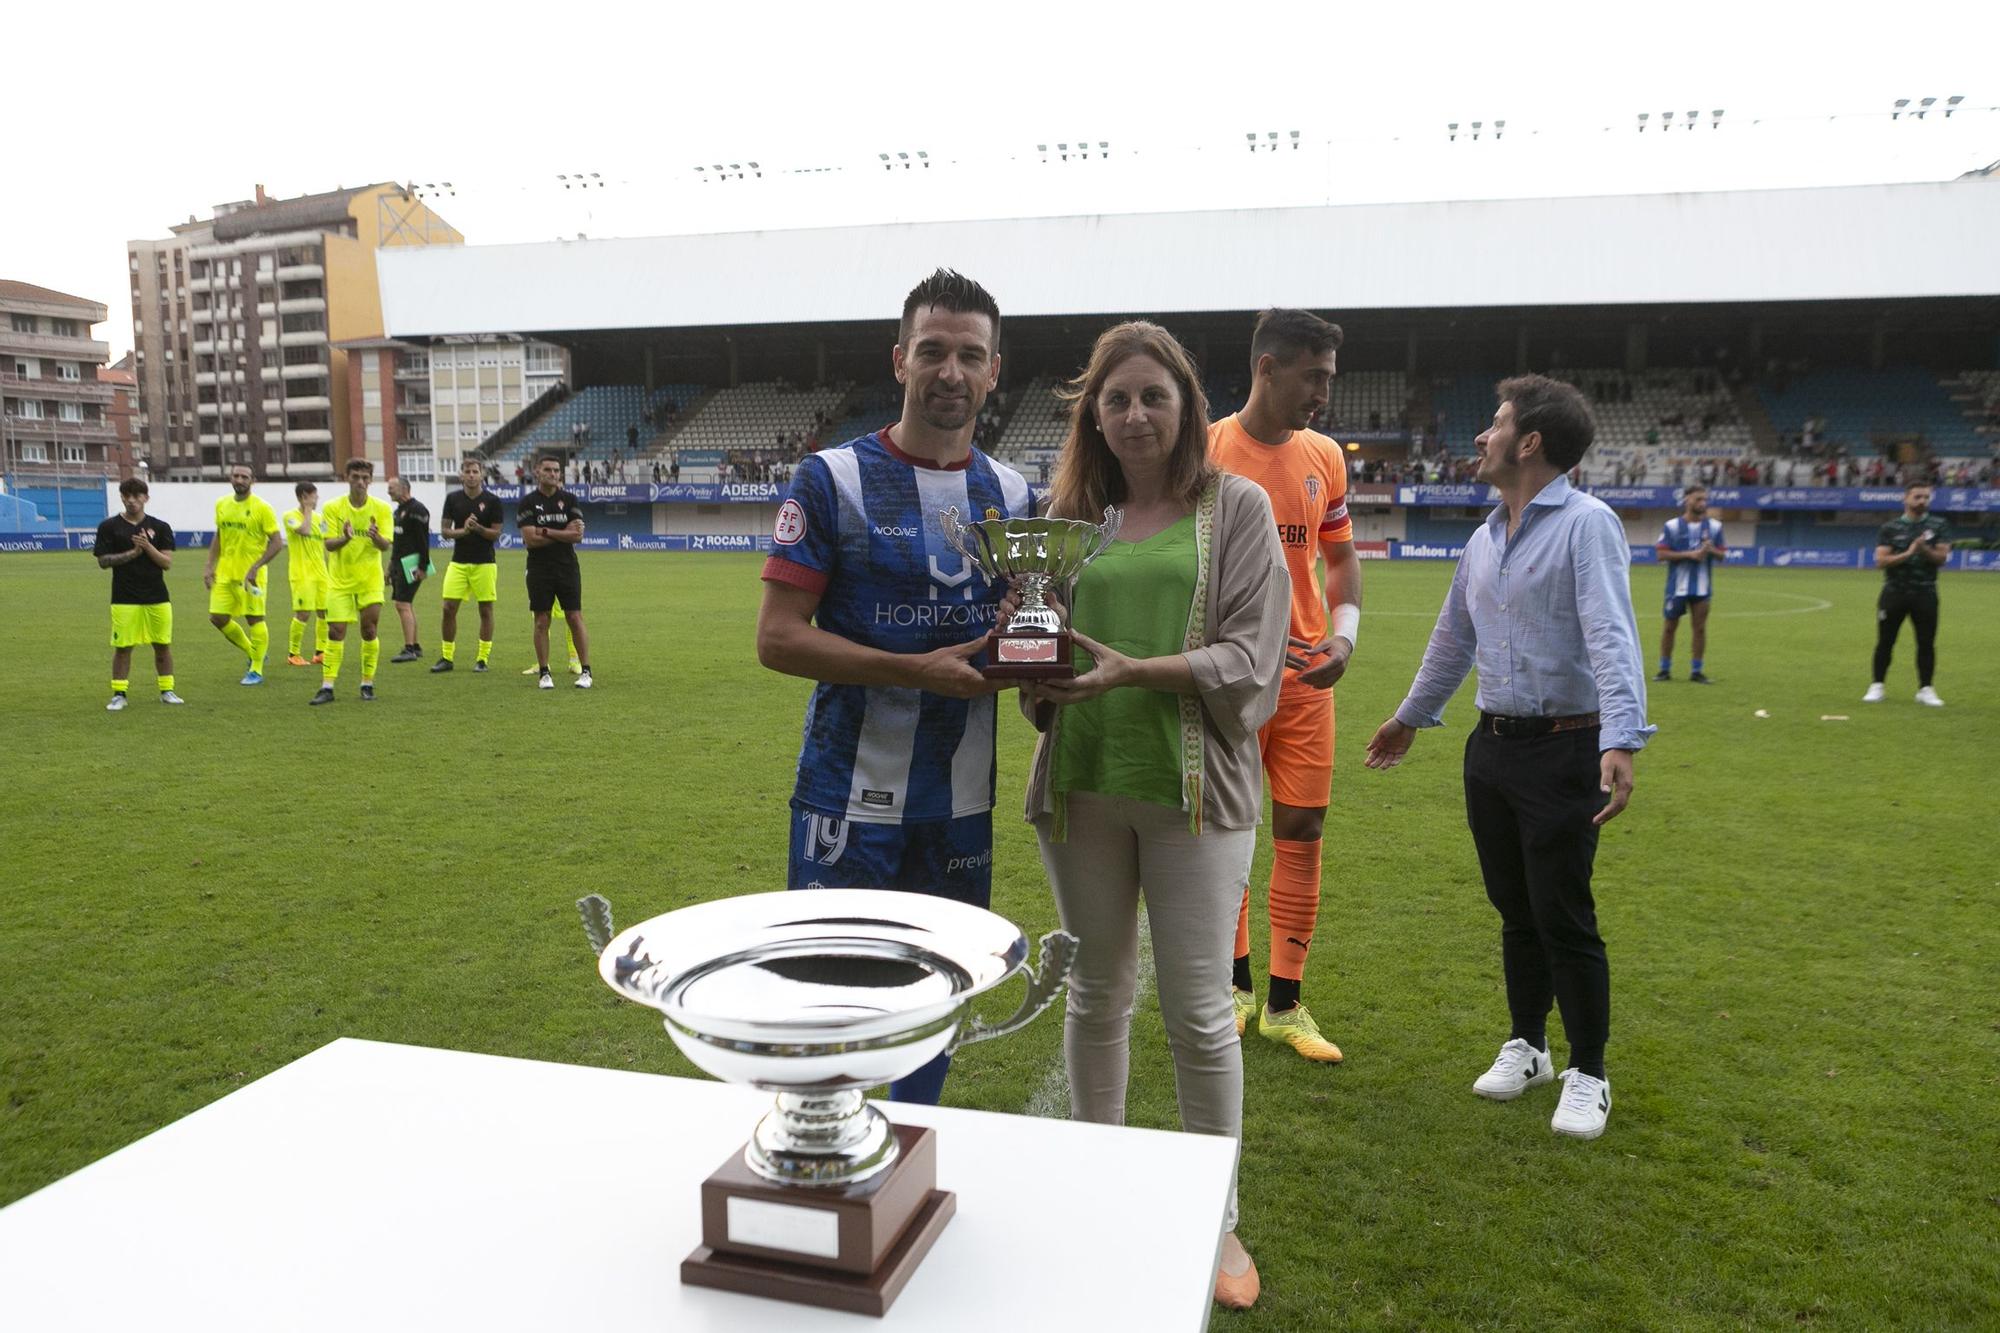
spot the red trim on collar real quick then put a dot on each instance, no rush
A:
(889, 443)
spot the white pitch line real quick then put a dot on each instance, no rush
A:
(1050, 1099)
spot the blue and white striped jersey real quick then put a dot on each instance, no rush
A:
(1691, 578)
(860, 527)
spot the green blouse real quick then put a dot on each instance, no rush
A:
(1134, 598)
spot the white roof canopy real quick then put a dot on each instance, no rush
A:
(1859, 242)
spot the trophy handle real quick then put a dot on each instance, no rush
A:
(596, 913)
(1051, 973)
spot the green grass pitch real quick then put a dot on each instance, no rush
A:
(1801, 906)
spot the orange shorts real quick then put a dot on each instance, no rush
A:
(1297, 745)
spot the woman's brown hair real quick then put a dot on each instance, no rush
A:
(1087, 473)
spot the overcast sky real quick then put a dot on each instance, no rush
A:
(501, 99)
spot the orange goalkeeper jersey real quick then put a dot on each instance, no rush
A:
(1306, 478)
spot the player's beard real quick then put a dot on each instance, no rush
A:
(943, 413)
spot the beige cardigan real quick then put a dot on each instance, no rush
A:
(1237, 668)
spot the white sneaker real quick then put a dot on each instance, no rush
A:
(583, 681)
(1517, 1068)
(547, 682)
(169, 697)
(1585, 1106)
(117, 704)
(1928, 696)
(1874, 695)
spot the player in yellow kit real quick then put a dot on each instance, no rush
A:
(1305, 474)
(359, 527)
(305, 536)
(246, 540)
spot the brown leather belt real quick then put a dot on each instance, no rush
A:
(1514, 728)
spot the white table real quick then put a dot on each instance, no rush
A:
(375, 1186)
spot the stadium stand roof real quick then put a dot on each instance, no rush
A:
(1860, 242)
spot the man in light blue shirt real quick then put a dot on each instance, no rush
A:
(1541, 605)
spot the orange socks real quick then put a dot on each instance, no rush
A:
(1294, 907)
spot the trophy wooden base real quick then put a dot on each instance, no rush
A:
(1027, 654)
(845, 1248)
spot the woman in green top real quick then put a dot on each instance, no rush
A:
(1147, 780)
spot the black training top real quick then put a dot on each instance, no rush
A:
(549, 511)
(413, 533)
(1898, 534)
(137, 582)
(486, 511)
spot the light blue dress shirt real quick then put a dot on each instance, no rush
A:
(1546, 618)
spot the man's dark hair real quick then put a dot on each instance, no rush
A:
(359, 465)
(1289, 334)
(1559, 411)
(548, 458)
(133, 486)
(1917, 484)
(1687, 494)
(948, 289)
(303, 489)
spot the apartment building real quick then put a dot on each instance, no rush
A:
(272, 287)
(423, 408)
(54, 430)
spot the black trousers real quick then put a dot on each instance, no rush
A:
(1920, 605)
(1530, 801)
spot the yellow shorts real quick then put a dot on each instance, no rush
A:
(348, 606)
(230, 598)
(134, 625)
(1297, 744)
(309, 597)
(478, 582)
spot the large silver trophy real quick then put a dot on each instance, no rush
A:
(1035, 553)
(817, 996)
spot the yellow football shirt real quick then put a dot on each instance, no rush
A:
(357, 566)
(307, 543)
(242, 529)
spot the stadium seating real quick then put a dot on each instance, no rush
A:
(1977, 394)
(751, 416)
(1036, 428)
(1659, 425)
(18, 515)
(1865, 409)
(607, 412)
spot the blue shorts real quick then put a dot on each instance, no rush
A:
(1677, 605)
(951, 858)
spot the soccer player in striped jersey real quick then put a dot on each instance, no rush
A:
(1689, 546)
(863, 596)
(1292, 355)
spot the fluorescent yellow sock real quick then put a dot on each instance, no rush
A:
(119, 686)
(335, 650)
(260, 643)
(166, 683)
(295, 638)
(449, 650)
(320, 640)
(485, 649)
(234, 633)
(371, 653)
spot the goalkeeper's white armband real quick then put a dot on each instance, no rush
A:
(1347, 622)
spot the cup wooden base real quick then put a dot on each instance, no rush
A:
(865, 1240)
(1029, 655)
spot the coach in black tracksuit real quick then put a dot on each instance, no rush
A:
(1908, 551)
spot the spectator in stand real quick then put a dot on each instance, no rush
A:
(632, 439)
(1748, 476)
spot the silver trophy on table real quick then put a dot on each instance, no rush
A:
(817, 996)
(1036, 554)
